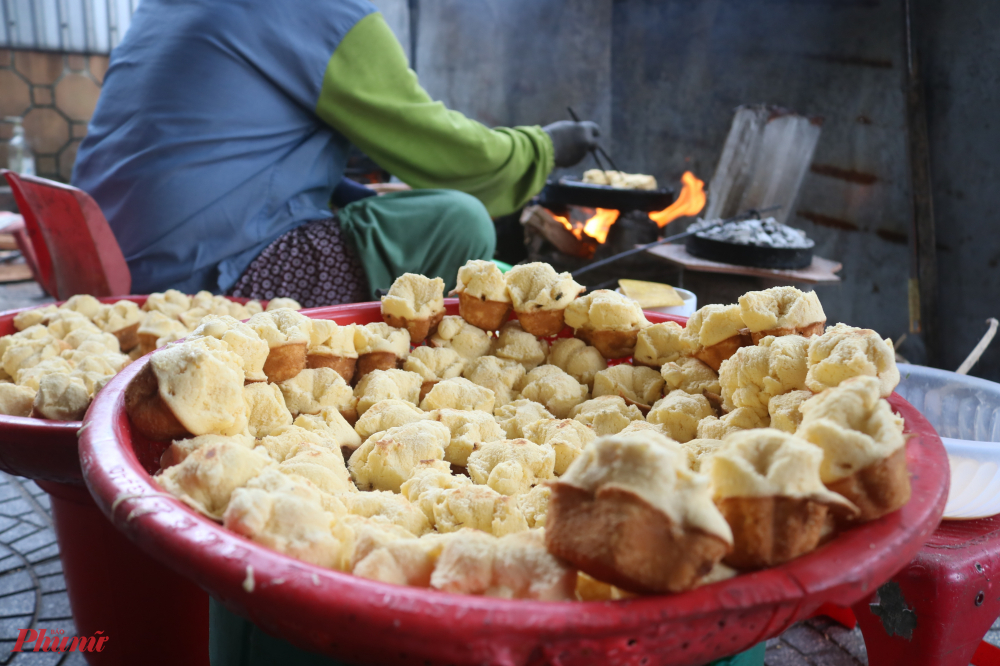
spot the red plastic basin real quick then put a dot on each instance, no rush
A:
(363, 621)
(112, 585)
(39, 448)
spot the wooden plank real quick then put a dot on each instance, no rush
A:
(14, 272)
(923, 283)
(7, 218)
(821, 271)
(763, 162)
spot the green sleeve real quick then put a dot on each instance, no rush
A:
(372, 97)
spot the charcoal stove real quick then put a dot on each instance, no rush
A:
(574, 230)
(578, 202)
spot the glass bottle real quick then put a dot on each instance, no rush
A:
(19, 157)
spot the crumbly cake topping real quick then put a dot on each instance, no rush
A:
(655, 469)
(537, 286)
(606, 414)
(712, 324)
(691, 376)
(637, 383)
(780, 307)
(605, 310)
(483, 280)
(852, 425)
(328, 338)
(281, 326)
(768, 463)
(380, 337)
(578, 359)
(455, 333)
(662, 343)
(414, 297)
(515, 344)
(202, 383)
(679, 413)
(843, 352)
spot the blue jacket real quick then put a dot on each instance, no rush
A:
(205, 145)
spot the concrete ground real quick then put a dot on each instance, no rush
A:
(32, 590)
(21, 295)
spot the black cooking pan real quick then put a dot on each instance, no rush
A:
(571, 192)
(749, 255)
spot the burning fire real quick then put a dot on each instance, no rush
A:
(689, 203)
(596, 227)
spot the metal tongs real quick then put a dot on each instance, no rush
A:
(642, 248)
(595, 149)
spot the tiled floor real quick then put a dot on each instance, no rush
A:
(32, 589)
(817, 642)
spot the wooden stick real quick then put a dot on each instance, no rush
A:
(923, 283)
(979, 348)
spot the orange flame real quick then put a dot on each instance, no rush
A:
(596, 227)
(689, 203)
(566, 223)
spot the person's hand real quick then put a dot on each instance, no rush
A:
(572, 141)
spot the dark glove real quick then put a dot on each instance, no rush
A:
(572, 141)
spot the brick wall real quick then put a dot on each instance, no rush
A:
(56, 94)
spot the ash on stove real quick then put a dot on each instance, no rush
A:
(761, 233)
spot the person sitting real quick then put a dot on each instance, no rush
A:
(222, 132)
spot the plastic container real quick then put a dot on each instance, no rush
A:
(366, 622)
(19, 157)
(687, 309)
(966, 413)
(958, 406)
(112, 585)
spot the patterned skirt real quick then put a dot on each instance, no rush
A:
(315, 264)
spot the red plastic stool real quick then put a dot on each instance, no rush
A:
(75, 251)
(104, 572)
(937, 609)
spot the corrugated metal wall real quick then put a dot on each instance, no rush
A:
(74, 26)
(97, 26)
